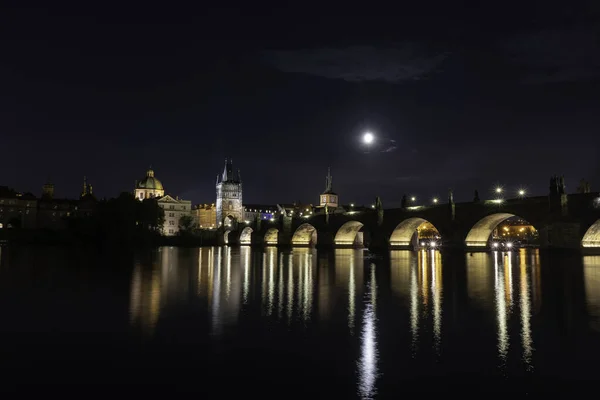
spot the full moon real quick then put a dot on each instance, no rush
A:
(368, 138)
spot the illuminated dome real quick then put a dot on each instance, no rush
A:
(149, 182)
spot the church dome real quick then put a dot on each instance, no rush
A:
(150, 182)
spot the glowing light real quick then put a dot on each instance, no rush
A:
(422, 243)
(372, 205)
(435, 200)
(351, 204)
(521, 192)
(495, 244)
(368, 138)
(432, 244)
(509, 245)
(413, 198)
(498, 189)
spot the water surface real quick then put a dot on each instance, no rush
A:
(225, 321)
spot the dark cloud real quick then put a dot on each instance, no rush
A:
(395, 64)
(555, 55)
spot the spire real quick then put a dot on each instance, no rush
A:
(239, 175)
(85, 186)
(225, 176)
(328, 180)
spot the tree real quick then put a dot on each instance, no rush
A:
(186, 224)
(150, 215)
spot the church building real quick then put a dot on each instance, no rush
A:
(174, 207)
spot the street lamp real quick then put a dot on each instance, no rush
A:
(435, 200)
(413, 198)
(498, 190)
(368, 138)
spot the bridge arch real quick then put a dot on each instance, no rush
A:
(591, 238)
(480, 233)
(350, 234)
(246, 236)
(404, 233)
(271, 237)
(305, 235)
(228, 221)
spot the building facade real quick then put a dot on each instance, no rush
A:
(17, 210)
(229, 196)
(149, 187)
(205, 216)
(174, 209)
(254, 211)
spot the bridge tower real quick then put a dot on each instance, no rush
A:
(229, 196)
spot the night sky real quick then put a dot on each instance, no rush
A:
(462, 98)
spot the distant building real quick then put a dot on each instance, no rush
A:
(205, 216)
(149, 187)
(329, 198)
(264, 212)
(229, 196)
(53, 213)
(174, 209)
(17, 210)
(296, 209)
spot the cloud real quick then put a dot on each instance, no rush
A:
(403, 62)
(389, 149)
(555, 55)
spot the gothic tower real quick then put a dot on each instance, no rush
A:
(329, 198)
(229, 196)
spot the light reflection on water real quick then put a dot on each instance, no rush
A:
(367, 365)
(497, 270)
(417, 276)
(337, 319)
(591, 273)
(341, 288)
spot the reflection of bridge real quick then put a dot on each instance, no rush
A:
(563, 221)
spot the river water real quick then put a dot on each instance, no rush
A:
(346, 324)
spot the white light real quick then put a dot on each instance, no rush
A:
(413, 198)
(521, 192)
(351, 204)
(498, 190)
(495, 244)
(372, 205)
(432, 244)
(422, 243)
(435, 200)
(368, 138)
(509, 245)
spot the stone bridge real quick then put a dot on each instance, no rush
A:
(563, 221)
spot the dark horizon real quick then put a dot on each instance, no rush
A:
(457, 98)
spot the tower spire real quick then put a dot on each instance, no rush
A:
(85, 187)
(328, 180)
